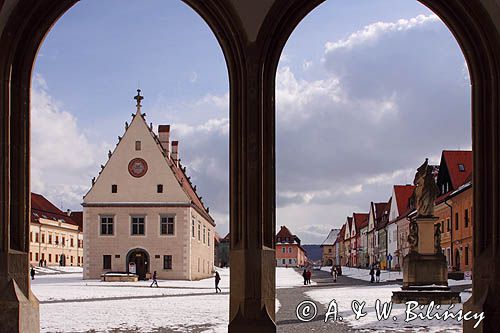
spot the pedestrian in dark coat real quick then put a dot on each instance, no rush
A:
(304, 275)
(154, 280)
(309, 274)
(372, 273)
(32, 273)
(217, 280)
(378, 274)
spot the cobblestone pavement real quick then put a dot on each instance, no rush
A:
(289, 298)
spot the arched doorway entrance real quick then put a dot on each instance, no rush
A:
(138, 262)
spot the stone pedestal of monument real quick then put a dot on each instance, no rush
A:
(425, 273)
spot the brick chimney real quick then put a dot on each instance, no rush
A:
(175, 152)
(164, 136)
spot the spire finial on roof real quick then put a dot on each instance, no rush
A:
(138, 98)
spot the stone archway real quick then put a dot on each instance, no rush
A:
(140, 260)
(252, 35)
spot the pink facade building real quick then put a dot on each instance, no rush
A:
(289, 252)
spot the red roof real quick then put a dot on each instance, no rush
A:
(340, 235)
(455, 158)
(403, 194)
(78, 218)
(186, 185)
(379, 209)
(43, 208)
(284, 232)
(360, 220)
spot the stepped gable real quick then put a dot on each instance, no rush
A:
(175, 165)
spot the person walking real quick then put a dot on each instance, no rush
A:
(304, 275)
(217, 280)
(155, 282)
(32, 273)
(378, 274)
(334, 273)
(372, 273)
(309, 274)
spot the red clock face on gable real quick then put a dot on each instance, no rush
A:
(137, 167)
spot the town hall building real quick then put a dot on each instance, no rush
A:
(143, 214)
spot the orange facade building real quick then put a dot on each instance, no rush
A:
(454, 208)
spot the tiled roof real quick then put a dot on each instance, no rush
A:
(340, 235)
(379, 209)
(284, 232)
(455, 158)
(403, 194)
(383, 214)
(360, 220)
(43, 208)
(78, 218)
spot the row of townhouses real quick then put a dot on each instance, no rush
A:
(380, 236)
(289, 251)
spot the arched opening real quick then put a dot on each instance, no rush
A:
(384, 259)
(138, 263)
(170, 228)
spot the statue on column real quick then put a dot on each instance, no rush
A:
(426, 190)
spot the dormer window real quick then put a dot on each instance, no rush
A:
(461, 168)
(138, 145)
(159, 188)
(114, 188)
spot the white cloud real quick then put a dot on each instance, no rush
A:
(378, 103)
(371, 33)
(62, 158)
(219, 126)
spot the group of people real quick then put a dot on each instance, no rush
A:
(42, 263)
(307, 276)
(375, 274)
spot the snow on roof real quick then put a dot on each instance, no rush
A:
(331, 238)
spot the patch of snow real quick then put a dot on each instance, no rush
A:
(71, 304)
(289, 278)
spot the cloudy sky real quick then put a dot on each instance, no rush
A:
(366, 90)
